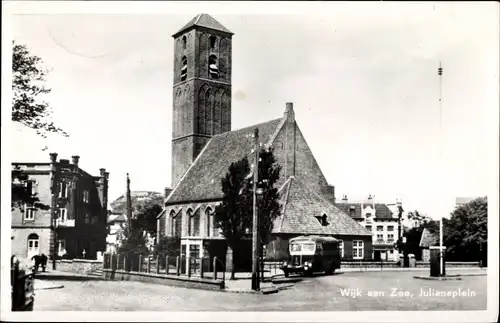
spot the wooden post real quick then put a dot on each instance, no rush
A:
(215, 268)
(125, 263)
(188, 264)
(149, 265)
(201, 267)
(178, 265)
(157, 264)
(166, 265)
(140, 263)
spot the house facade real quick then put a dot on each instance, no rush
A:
(116, 225)
(378, 219)
(74, 226)
(204, 146)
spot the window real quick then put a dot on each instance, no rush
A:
(63, 189)
(369, 228)
(380, 228)
(29, 213)
(85, 196)
(357, 249)
(213, 70)
(390, 228)
(391, 251)
(190, 222)
(61, 247)
(172, 223)
(184, 68)
(184, 42)
(62, 214)
(210, 220)
(380, 237)
(390, 238)
(341, 248)
(30, 186)
(213, 42)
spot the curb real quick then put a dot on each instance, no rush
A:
(453, 277)
(50, 287)
(264, 291)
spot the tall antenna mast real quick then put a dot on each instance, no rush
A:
(440, 75)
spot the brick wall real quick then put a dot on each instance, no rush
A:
(277, 248)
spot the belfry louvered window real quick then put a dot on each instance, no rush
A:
(184, 68)
(213, 70)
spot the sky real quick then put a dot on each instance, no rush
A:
(363, 80)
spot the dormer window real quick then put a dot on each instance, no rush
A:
(184, 42)
(322, 220)
(213, 70)
(184, 68)
(213, 41)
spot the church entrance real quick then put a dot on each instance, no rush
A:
(194, 250)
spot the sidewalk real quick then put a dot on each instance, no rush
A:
(63, 275)
(448, 269)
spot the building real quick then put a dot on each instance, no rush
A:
(204, 146)
(140, 199)
(428, 239)
(380, 221)
(460, 201)
(116, 225)
(75, 224)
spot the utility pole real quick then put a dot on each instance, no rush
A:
(440, 74)
(129, 204)
(54, 170)
(255, 231)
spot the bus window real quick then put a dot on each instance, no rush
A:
(295, 247)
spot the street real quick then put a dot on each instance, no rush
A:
(353, 291)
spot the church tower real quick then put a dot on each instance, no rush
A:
(202, 89)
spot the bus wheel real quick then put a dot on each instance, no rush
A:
(331, 270)
(286, 273)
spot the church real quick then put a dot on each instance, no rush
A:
(204, 145)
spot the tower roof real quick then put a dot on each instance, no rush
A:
(206, 21)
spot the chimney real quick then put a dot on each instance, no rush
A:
(370, 199)
(102, 172)
(289, 110)
(344, 199)
(53, 157)
(75, 160)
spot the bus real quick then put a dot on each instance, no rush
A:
(309, 254)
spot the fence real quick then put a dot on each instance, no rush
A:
(22, 288)
(168, 265)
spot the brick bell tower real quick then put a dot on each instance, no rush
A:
(202, 89)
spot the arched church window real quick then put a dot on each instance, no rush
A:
(190, 222)
(196, 223)
(209, 216)
(171, 223)
(213, 41)
(184, 42)
(213, 70)
(184, 68)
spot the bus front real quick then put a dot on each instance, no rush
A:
(301, 257)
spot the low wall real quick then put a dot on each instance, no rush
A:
(451, 264)
(80, 266)
(369, 264)
(169, 280)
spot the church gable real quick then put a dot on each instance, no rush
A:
(299, 162)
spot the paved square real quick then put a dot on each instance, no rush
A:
(355, 291)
